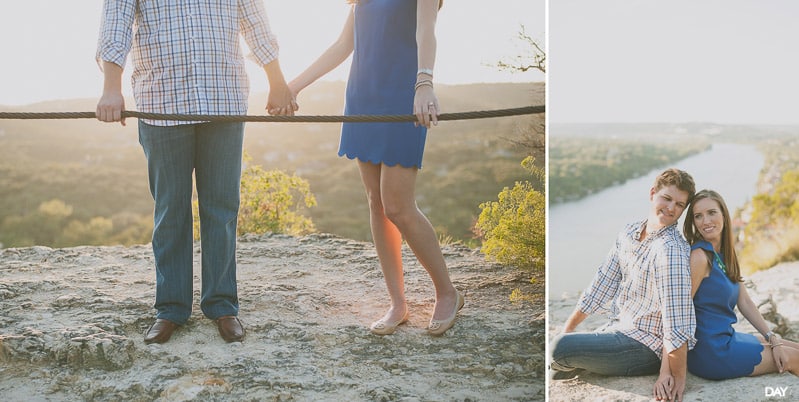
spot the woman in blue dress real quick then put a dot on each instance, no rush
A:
(393, 46)
(721, 352)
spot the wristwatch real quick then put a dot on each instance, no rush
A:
(768, 335)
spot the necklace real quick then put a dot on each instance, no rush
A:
(720, 262)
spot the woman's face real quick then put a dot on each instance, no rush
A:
(708, 219)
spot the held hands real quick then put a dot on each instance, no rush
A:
(425, 106)
(281, 101)
(668, 388)
(663, 387)
(110, 107)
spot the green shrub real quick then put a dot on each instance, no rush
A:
(513, 227)
(271, 202)
(771, 235)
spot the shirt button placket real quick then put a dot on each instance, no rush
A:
(191, 22)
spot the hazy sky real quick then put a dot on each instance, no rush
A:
(48, 46)
(723, 61)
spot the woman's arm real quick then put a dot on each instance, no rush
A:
(330, 59)
(425, 103)
(750, 312)
(700, 269)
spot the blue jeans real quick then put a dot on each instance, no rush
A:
(606, 353)
(212, 151)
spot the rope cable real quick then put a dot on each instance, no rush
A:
(280, 119)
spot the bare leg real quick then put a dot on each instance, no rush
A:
(397, 185)
(791, 344)
(387, 240)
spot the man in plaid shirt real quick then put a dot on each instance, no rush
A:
(644, 285)
(187, 60)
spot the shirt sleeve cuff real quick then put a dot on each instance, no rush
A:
(677, 338)
(112, 55)
(587, 306)
(265, 54)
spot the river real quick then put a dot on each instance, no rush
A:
(582, 232)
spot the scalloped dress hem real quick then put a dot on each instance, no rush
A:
(379, 162)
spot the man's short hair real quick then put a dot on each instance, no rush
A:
(676, 177)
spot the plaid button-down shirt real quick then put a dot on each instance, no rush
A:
(185, 53)
(645, 286)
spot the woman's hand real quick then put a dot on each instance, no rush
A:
(778, 351)
(425, 106)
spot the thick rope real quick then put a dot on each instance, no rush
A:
(281, 119)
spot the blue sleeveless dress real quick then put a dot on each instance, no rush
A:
(381, 81)
(720, 352)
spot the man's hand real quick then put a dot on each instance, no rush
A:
(110, 107)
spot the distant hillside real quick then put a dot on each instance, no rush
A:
(98, 170)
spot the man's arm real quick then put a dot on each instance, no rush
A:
(679, 322)
(678, 364)
(113, 45)
(112, 103)
(574, 320)
(670, 384)
(257, 32)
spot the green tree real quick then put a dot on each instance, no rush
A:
(271, 201)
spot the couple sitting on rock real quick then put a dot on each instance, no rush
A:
(671, 302)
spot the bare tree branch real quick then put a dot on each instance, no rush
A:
(533, 59)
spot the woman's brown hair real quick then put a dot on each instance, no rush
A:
(693, 235)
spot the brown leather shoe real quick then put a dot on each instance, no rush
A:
(160, 331)
(230, 328)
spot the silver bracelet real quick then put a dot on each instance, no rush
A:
(423, 83)
(427, 71)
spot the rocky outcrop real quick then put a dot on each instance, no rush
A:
(772, 290)
(72, 322)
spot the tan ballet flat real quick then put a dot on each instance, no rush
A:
(438, 327)
(382, 327)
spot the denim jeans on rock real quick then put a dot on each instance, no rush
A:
(607, 353)
(212, 151)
